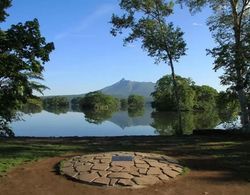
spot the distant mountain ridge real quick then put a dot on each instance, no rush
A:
(124, 88)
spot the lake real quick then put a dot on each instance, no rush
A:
(65, 122)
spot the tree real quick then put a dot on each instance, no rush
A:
(228, 106)
(23, 52)
(55, 102)
(135, 101)
(146, 20)
(230, 26)
(205, 98)
(3, 5)
(164, 96)
(98, 101)
(123, 104)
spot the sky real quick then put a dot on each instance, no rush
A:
(87, 57)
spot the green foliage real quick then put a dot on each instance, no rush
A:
(97, 116)
(23, 52)
(3, 5)
(56, 105)
(145, 20)
(56, 101)
(192, 97)
(136, 111)
(34, 105)
(164, 96)
(230, 27)
(205, 98)
(98, 101)
(123, 104)
(228, 106)
(166, 123)
(75, 104)
(135, 101)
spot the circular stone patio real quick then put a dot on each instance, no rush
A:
(123, 169)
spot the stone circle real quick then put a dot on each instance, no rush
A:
(105, 169)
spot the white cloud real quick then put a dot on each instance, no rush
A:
(77, 31)
(196, 24)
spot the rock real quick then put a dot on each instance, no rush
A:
(139, 161)
(126, 182)
(154, 171)
(100, 167)
(129, 169)
(134, 173)
(120, 175)
(88, 177)
(178, 169)
(86, 158)
(143, 166)
(143, 171)
(113, 182)
(69, 171)
(83, 168)
(171, 173)
(122, 163)
(163, 177)
(67, 164)
(154, 163)
(146, 180)
(115, 168)
(104, 173)
(102, 181)
(105, 160)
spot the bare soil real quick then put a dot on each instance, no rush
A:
(206, 157)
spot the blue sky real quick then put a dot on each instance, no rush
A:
(88, 58)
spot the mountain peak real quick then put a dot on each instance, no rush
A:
(124, 88)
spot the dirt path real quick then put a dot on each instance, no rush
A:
(39, 178)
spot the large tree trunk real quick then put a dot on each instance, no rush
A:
(177, 97)
(238, 60)
(244, 111)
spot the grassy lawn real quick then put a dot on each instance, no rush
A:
(219, 153)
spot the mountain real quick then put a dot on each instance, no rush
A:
(124, 88)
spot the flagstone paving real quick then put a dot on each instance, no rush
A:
(121, 169)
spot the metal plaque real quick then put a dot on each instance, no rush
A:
(122, 158)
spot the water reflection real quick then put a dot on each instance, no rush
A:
(166, 123)
(130, 121)
(97, 116)
(57, 109)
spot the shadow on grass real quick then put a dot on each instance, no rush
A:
(204, 153)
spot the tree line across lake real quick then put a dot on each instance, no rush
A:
(194, 98)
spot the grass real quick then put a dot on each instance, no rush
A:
(16, 152)
(219, 153)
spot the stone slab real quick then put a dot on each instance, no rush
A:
(83, 168)
(125, 182)
(100, 167)
(102, 181)
(88, 177)
(113, 182)
(146, 180)
(154, 171)
(120, 175)
(171, 173)
(163, 177)
(115, 168)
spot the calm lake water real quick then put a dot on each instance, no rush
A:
(63, 122)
